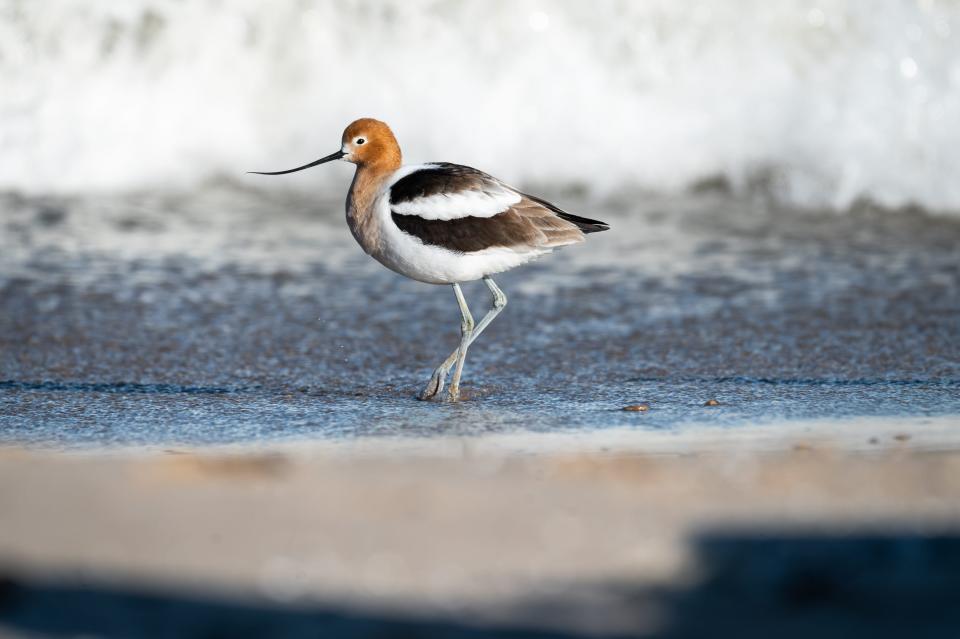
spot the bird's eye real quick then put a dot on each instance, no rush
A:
(360, 140)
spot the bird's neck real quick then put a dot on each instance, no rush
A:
(367, 183)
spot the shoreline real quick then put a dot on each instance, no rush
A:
(863, 434)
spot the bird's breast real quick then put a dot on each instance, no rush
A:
(362, 218)
(364, 228)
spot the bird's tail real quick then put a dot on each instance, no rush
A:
(586, 225)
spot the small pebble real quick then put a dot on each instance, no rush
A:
(637, 407)
(902, 437)
(711, 402)
(873, 440)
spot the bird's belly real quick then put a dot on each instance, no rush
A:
(410, 257)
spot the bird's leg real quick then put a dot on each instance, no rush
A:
(499, 301)
(439, 377)
(466, 332)
(435, 386)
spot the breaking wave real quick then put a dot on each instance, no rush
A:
(823, 102)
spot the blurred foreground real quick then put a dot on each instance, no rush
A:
(466, 538)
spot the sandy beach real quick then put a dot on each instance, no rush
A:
(628, 533)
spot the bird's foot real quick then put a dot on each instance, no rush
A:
(435, 385)
(453, 395)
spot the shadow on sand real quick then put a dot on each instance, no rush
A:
(746, 585)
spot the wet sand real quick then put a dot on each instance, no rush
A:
(230, 315)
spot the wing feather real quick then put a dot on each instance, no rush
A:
(443, 191)
(465, 210)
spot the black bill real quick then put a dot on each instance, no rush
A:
(329, 158)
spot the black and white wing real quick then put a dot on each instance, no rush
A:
(465, 210)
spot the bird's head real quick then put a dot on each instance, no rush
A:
(366, 143)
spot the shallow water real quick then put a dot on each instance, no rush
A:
(227, 314)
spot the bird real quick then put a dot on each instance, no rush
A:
(444, 223)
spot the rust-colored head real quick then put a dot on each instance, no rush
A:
(369, 142)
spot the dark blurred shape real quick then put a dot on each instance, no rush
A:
(749, 584)
(790, 584)
(68, 609)
(49, 215)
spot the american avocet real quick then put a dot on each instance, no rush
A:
(443, 223)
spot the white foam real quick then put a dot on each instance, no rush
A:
(833, 100)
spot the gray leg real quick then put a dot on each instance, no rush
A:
(499, 301)
(466, 333)
(435, 386)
